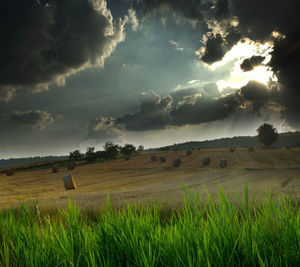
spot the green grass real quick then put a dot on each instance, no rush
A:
(226, 232)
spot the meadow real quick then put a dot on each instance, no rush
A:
(226, 232)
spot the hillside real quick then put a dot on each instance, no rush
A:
(26, 161)
(284, 139)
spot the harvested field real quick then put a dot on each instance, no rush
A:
(142, 180)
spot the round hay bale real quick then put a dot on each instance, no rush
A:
(162, 159)
(231, 149)
(251, 149)
(55, 168)
(153, 158)
(71, 165)
(189, 152)
(126, 157)
(205, 161)
(223, 163)
(68, 182)
(176, 162)
(10, 172)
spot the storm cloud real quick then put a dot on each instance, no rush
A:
(43, 42)
(36, 118)
(250, 63)
(193, 106)
(226, 22)
(104, 129)
(153, 114)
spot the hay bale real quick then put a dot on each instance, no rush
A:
(10, 172)
(71, 165)
(162, 159)
(251, 149)
(189, 152)
(126, 157)
(68, 182)
(223, 163)
(231, 149)
(287, 147)
(198, 148)
(153, 158)
(55, 168)
(205, 161)
(176, 162)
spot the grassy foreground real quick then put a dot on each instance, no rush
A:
(222, 233)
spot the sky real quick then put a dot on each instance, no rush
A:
(79, 73)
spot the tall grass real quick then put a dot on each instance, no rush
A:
(216, 233)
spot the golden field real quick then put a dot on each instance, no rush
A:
(140, 180)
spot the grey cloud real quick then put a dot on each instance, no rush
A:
(178, 95)
(133, 20)
(228, 21)
(6, 93)
(158, 112)
(36, 118)
(211, 89)
(256, 93)
(194, 106)
(153, 113)
(204, 110)
(44, 42)
(104, 129)
(250, 63)
(285, 64)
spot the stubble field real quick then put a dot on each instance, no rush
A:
(141, 180)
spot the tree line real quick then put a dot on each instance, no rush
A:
(110, 152)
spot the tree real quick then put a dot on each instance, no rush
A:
(140, 148)
(111, 150)
(267, 134)
(128, 149)
(90, 155)
(75, 155)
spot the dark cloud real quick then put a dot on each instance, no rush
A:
(43, 42)
(194, 10)
(158, 112)
(250, 63)
(194, 106)
(104, 129)
(178, 95)
(255, 93)
(285, 64)
(204, 109)
(153, 114)
(36, 118)
(229, 21)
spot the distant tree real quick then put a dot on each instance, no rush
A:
(90, 154)
(100, 155)
(75, 155)
(111, 150)
(140, 148)
(267, 134)
(128, 149)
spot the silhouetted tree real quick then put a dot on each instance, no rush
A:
(267, 134)
(140, 148)
(75, 155)
(111, 150)
(90, 154)
(128, 149)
